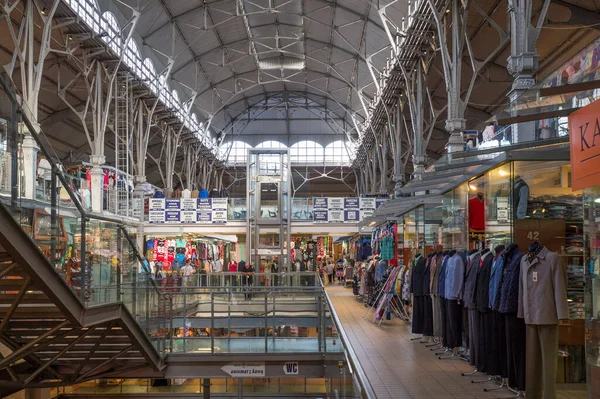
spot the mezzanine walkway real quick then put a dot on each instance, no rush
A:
(400, 368)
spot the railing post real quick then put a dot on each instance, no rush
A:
(274, 324)
(120, 260)
(320, 321)
(53, 218)
(212, 323)
(266, 324)
(83, 263)
(14, 156)
(184, 318)
(171, 322)
(323, 323)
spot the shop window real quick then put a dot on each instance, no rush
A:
(552, 214)
(454, 214)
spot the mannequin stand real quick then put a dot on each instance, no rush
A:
(497, 380)
(518, 394)
(453, 355)
(481, 381)
(416, 338)
(470, 373)
(446, 350)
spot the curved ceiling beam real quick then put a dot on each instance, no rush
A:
(175, 18)
(234, 43)
(260, 104)
(300, 94)
(308, 85)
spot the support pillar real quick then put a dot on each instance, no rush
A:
(206, 386)
(456, 142)
(97, 175)
(28, 177)
(138, 197)
(523, 62)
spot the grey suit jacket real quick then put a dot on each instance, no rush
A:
(543, 301)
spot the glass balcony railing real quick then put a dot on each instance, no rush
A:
(301, 209)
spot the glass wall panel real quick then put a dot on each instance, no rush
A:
(490, 224)
(433, 228)
(454, 213)
(547, 210)
(592, 287)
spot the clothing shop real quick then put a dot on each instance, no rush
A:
(586, 176)
(463, 253)
(169, 255)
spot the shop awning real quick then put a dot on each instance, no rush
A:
(398, 207)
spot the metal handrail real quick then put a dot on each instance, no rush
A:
(366, 390)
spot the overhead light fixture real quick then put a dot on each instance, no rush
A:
(597, 200)
(502, 172)
(44, 11)
(472, 187)
(291, 63)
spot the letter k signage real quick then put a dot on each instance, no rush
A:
(584, 131)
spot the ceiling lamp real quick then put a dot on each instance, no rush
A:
(296, 64)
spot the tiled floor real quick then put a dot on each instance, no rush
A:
(400, 368)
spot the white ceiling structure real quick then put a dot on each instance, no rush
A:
(283, 68)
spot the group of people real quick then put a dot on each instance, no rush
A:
(186, 276)
(334, 272)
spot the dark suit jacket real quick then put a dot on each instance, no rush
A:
(418, 274)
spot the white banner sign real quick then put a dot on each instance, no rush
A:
(247, 369)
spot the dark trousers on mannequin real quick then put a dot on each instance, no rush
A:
(542, 361)
(483, 349)
(515, 351)
(438, 327)
(454, 324)
(497, 345)
(444, 314)
(473, 336)
(427, 316)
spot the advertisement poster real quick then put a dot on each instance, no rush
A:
(336, 203)
(336, 216)
(351, 203)
(320, 203)
(320, 216)
(351, 216)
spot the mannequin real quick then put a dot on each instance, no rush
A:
(471, 306)
(477, 212)
(520, 198)
(441, 297)
(542, 303)
(427, 303)
(508, 298)
(436, 264)
(485, 361)
(417, 276)
(498, 331)
(455, 271)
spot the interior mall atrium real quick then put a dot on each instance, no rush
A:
(320, 199)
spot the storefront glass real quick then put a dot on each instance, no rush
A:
(433, 228)
(547, 210)
(454, 214)
(490, 223)
(592, 288)
(414, 237)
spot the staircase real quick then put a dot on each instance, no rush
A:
(49, 336)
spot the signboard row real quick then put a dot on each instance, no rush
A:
(344, 210)
(187, 210)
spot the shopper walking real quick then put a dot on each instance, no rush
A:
(247, 280)
(186, 273)
(330, 270)
(340, 270)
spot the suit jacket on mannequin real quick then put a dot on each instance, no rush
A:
(482, 290)
(417, 277)
(471, 280)
(542, 289)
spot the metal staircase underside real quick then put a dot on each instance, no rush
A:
(48, 336)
